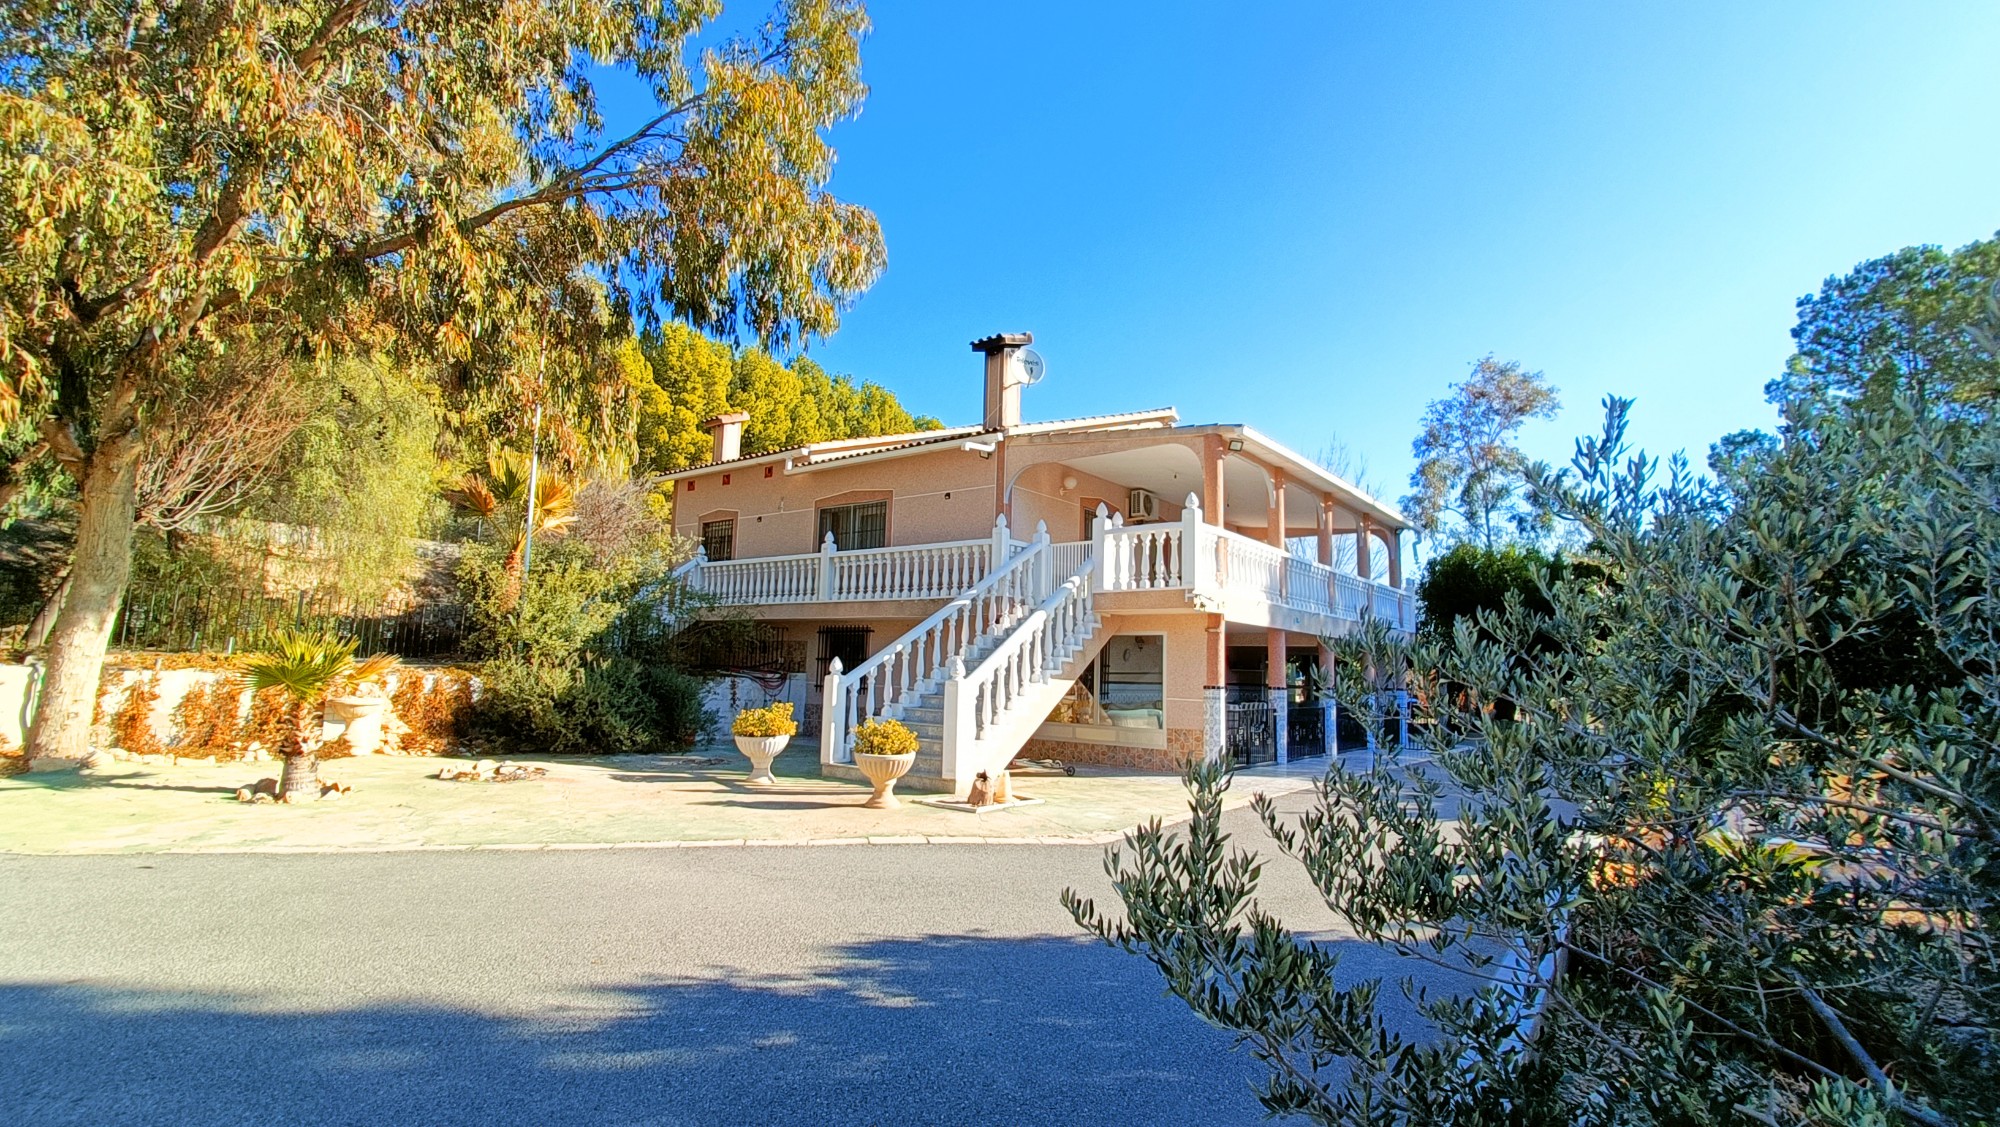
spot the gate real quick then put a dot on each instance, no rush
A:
(1252, 734)
(1305, 730)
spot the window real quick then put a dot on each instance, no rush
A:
(718, 539)
(1132, 680)
(848, 643)
(855, 527)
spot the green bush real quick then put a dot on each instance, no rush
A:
(599, 706)
(567, 668)
(1470, 578)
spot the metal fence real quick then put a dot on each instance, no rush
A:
(1251, 730)
(229, 622)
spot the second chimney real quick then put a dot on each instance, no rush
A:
(1003, 388)
(727, 430)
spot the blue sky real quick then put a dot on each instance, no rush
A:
(1312, 217)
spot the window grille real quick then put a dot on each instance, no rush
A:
(856, 527)
(718, 539)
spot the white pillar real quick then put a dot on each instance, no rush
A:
(832, 725)
(1003, 542)
(826, 570)
(958, 728)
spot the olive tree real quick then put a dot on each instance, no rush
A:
(1728, 858)
(436, 176)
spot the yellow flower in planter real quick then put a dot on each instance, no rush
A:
(883, 737)
(763, 723)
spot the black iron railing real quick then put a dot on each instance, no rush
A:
(1252, 733)
(234, 621)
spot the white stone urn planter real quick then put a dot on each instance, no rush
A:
(362, 719)
(883, 771)
(761, 750)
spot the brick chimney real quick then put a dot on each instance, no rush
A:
(727, 431)
(1003, 389)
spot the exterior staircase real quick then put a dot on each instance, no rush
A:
(974, 680)
(924, 715)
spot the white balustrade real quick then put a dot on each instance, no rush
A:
(1350, 597)
(1068, 559)
(977, 701)
(1252, 567)
(1388, 603)
(923, 571)
(1308, 585)
(914, 663)
(1146, 557)
(775, 579)
(933, 571)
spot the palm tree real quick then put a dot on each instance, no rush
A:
(501, 495)
(307, 668)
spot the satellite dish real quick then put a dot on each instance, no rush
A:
(1033, 367)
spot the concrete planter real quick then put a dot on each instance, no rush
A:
(883, 771)
(363, 720)
(761, 750)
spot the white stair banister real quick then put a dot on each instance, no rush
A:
(919, 658)
(832, 725)
(980, 713)
(959, 728)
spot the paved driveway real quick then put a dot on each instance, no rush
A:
(814, 985)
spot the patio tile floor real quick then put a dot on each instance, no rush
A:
(638, 801)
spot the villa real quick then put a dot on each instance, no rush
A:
(1121, 589)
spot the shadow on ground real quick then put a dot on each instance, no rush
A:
(944, 1030)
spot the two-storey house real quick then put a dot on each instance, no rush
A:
(1123, 589)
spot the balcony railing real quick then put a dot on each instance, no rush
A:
(924, 571)
(1188, 554)
(1185, 555)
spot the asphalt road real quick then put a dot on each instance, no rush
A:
(811, 985)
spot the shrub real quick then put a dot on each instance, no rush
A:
(771, 720)
(1470, 578)
(883, 737)
(132, 724)
(209, 722)
(596, 707)
(1737, 877)
(573, 663)
(437, 710)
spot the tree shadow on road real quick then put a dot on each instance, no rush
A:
(945, 1030)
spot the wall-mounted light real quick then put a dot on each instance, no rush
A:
(1235, 444)
(1068, 483)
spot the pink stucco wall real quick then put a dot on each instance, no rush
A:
(934, 497)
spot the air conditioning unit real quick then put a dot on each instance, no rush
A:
(1142, 505)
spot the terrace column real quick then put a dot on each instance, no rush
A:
(1217, 453)
(1364, 563)
(1274, 638)
(1274, 528)
(1395, 541)
(1327, 707)
(1276, 692)
(1214, 695)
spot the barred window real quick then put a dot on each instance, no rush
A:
(718, 539)
(855, 527)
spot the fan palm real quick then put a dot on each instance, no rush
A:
(306, 668)
(502, 494)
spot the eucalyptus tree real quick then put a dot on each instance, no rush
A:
(1468, 467)
(441, 178)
